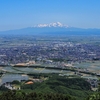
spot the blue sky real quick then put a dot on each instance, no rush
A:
(25, 13)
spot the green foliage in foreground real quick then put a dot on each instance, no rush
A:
(16, 82)
(3, 88)
(18, 95)
(95, 96)
(76, 87)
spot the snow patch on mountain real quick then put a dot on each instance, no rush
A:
(55, 24)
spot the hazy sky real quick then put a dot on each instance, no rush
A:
(25, 13)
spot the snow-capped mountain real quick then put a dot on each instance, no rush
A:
(55, 28)
(55, 24)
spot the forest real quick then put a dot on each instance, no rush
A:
(55, 87)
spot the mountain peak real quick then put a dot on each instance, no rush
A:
(55, 24)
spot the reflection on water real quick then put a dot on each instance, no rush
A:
(90, 77)
(11, 77)
(26, 70)
(15, 73)
(40, 70)
(90, 65)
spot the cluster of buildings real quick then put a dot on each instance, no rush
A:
(64, 51)
(11, 86)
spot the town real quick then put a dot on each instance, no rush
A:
(70, 57)
(48, 50)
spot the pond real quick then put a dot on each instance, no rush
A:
(11, 77)
(15, 73)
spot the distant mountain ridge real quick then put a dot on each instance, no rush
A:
(56, 28)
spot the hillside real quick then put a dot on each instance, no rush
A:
(76, 87)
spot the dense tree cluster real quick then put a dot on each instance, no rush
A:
(18, 95)
(3, 88)
(73, 83)
(77, 87)
(95, 96)
(56, 81)
(54, 87)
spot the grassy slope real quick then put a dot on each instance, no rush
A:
(62, 85)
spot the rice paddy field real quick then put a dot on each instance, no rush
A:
(16, 73)
(92, 66)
